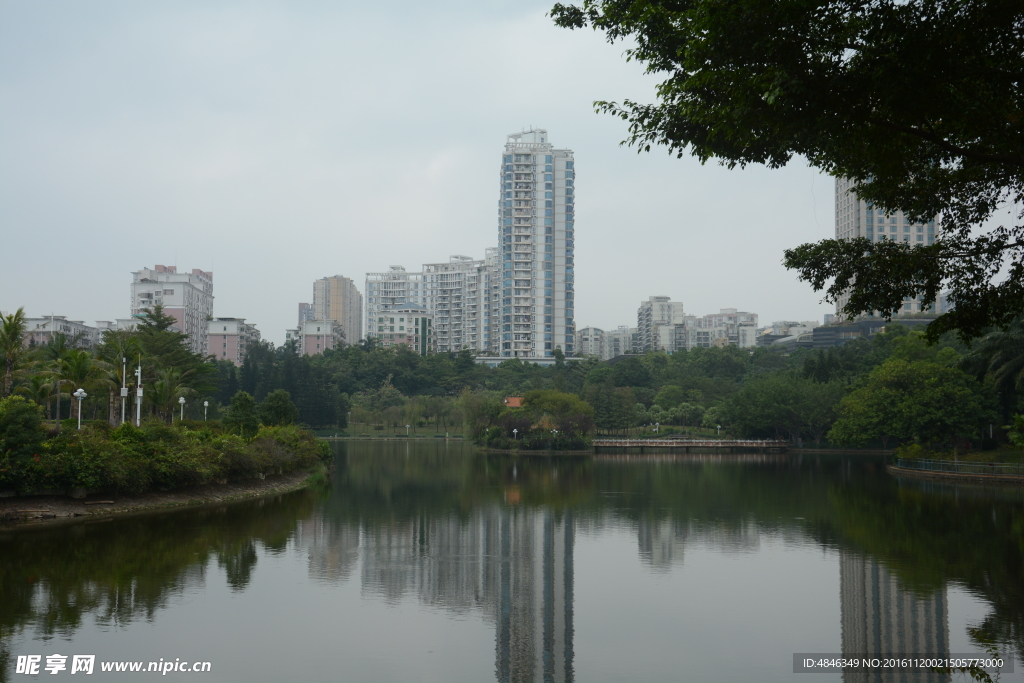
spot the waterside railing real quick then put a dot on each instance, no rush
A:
(962, 467)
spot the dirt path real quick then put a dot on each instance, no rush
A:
(35, 509)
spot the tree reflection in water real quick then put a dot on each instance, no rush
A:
(495, 535)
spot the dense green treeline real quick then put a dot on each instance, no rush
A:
(894, 389)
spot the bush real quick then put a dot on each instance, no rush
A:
(132, 459)
(21, 440)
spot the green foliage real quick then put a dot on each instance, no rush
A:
(12, 346)
(548, 420)
(277, 409)
(21, 439)
(924, 401)
(160, 456)
(1016, 431)
(918, 102)
(241, 417)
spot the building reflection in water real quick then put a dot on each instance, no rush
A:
(662, 541)
(513, 565)
(880, 617)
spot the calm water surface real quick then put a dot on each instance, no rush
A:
(429, 562)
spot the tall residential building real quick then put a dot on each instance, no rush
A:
(458, 296)
(856, 217)
(590, 342)
(657, 321)
(188, 297)
(230, 338)
(536, 233)
(388, 290)
(337, 298)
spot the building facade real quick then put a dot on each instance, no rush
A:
(313, 337)
(305, 313)
(230, 338)
(39, 331)
(620, 341)
(536, 231)
(657, 321)
(855, 217)
(458, 296)
(410, 325)
(187, 297)
(388, 290)
(590, 342)
(337, 298)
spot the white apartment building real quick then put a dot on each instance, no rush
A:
(388, 290)
(536, 224)
(39, 331)
(590, 342)
(337, 298)
(656, 322)
(188, 297)
(736, 328)
(411, 325)
(858, 218)
(458, 296)
(230, 338)
(620, 341)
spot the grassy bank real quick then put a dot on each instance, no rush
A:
(155, 456)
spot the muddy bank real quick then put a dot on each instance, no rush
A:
(42, 509)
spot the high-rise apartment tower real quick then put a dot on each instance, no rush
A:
(336, 298)
(536, 233)
(856, 217)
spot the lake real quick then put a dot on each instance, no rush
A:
(429, 561)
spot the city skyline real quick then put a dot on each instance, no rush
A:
(182, 156)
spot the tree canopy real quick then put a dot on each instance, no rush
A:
(918, 101)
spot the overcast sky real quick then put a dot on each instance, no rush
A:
(275, 143)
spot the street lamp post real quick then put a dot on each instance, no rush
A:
(181, 402)
(515, 434)
(206, 406)
(719, 430)
(407, 431)
(124, 385)
(80, 395)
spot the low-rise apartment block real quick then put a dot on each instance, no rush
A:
(230, 338)
(313, 337)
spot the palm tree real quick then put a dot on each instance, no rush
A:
(170, 385)
(38, 388)
(1000, 355)
(77, 369)
(51, 355)
(12, 345)
(117, 346)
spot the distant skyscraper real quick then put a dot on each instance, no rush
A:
(536, 233)
(857, 218)
(187, 297)
(337, 298)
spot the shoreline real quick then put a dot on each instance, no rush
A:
(35, 511)
(997, 479)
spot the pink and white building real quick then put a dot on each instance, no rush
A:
(187, 297)
(230, 338)
(315, 336)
